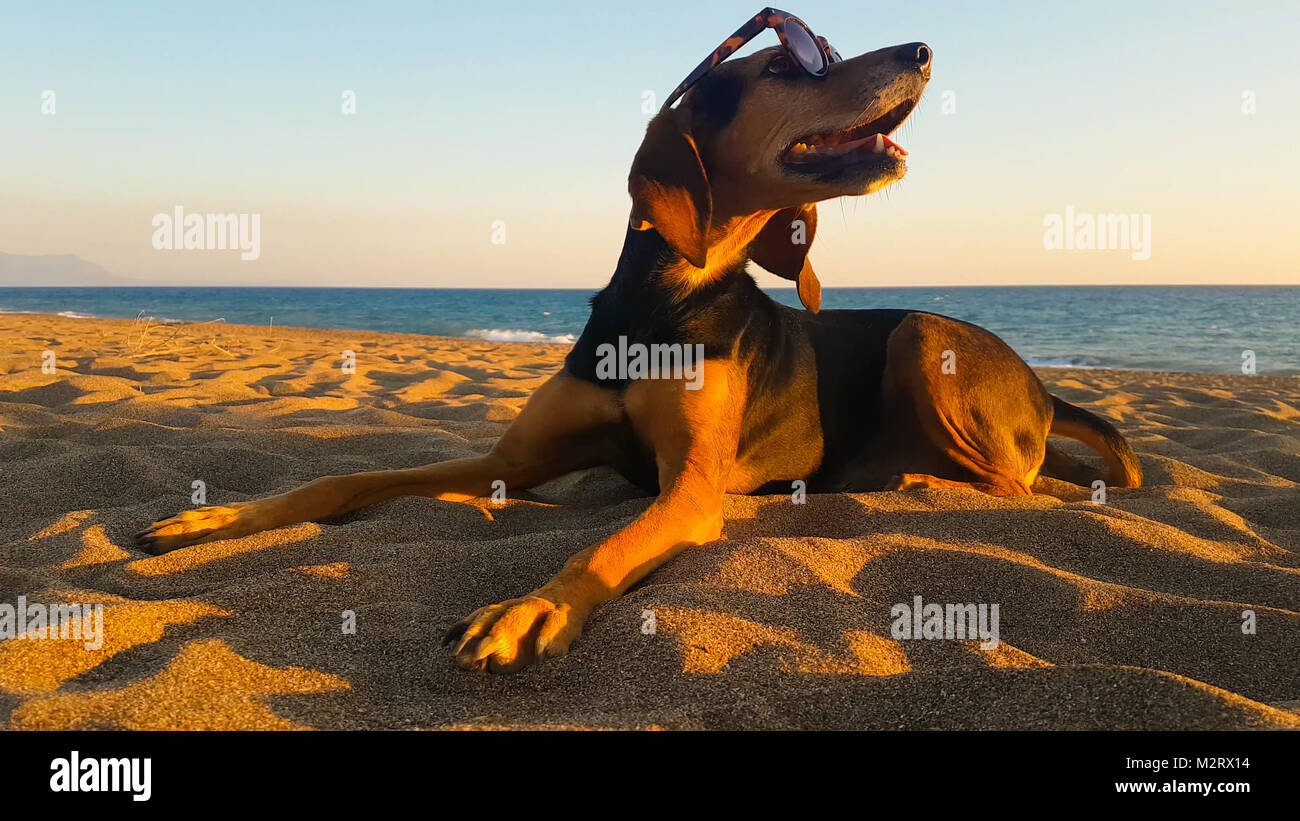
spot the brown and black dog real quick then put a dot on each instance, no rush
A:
(844, 400)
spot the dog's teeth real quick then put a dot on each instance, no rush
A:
(878, 144)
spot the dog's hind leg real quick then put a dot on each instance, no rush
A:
(909, 481)
(965, 411)
(561, 429)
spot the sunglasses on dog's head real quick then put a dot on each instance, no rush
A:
(811, 52)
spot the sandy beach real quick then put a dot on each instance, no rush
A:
(1123, 615)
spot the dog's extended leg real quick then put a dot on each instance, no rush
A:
(558, 431)
(694, 435)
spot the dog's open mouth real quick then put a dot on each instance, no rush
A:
(866, 140)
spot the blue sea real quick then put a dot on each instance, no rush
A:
(1196, 329)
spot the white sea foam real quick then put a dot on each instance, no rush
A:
(513, 335)
(67, 314)
(1061, 362)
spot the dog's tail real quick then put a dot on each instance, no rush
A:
(1098, 434)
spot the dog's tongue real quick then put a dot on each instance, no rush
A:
(875, 143)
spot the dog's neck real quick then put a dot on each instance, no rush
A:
(648, 261)
(656, 297)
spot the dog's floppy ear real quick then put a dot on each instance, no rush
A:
(670, 191)
(782, 248)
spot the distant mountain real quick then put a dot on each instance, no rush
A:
(55, 271)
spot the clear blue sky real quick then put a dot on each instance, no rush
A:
(530, 113)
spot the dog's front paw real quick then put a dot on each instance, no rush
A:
(191, 527)
(507, 637)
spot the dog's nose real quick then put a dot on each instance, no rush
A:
(916, 54)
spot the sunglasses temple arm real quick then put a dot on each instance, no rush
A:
(755, 26)
(827, 49)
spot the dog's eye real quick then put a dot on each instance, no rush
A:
(780, 64)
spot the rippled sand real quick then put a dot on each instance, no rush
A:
(1122, 615)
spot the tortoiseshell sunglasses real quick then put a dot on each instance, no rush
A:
(811, 52)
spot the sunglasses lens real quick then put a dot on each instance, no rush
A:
(805, 49)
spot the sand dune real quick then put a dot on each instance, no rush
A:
(1122, 615)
